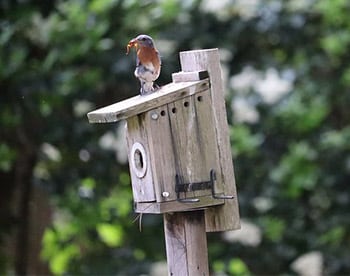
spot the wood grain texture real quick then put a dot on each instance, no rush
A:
(161, 150)
(139, 104)
(224, 217)
(189, 76)
(186, 243)
(143, 189)
(176, 206)
(181, 141)
(189, 144)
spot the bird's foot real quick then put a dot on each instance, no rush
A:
(143, 92)
(148, 88)
(156, 87)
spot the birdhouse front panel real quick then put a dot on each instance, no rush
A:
(180, 143)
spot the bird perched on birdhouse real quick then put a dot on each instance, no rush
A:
(148, 62)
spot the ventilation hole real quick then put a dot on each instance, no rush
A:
(173, 110)
(200, 98)
(162, 113)
(186, 104)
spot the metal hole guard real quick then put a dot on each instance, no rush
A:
(191, 187)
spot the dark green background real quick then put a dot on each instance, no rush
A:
(61, 59)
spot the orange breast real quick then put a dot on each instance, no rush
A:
(149, 55)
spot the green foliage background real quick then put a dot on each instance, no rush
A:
(61, 59)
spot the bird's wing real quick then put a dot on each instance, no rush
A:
(156, 61)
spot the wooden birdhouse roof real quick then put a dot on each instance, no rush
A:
(140, 104)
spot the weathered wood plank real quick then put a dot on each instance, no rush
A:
(139, 104)
(142, 183)
(224, 217)
(176, 206)
(196, 244)
(186, 243)
(193, 136)
(189, 76)
(182, 124)
(181, 140)
(175, 242)
(162, 152)
(209, 149)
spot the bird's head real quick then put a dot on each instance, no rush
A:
(140, 41)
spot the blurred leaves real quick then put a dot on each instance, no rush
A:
(243, 141)
(60, 257)
(274, 228)
(237, 267)
(297, 169)
(234, 266)
(110, 234)
(7, 157)
(290, 139)
(302, 115)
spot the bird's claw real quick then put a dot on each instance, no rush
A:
(156, 87)
(148, 89)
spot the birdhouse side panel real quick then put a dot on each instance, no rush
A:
(139, 160)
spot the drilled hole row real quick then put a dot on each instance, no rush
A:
(186, 104)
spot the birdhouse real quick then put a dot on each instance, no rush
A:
(178, 145)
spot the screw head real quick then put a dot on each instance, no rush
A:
(154, 116)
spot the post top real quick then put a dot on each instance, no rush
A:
(200, 51)
(139, 104)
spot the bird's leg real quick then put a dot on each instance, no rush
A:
(156, 86)
(142, 89)
(146, 88)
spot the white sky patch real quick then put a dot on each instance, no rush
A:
(245, 80)
(214, 6)
(115, 141)
(249, 234)
(247, 8)
(263, 204)
(272, 87)
(244, 112)
(299, 5)
(159, 269)
(82, 107)
(223, 9)
(51, 152)
(84, 155)
(309, 264)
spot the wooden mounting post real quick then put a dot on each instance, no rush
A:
(186, 243)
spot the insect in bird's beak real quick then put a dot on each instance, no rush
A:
(132, 43)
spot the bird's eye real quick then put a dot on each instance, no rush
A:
(143, 39)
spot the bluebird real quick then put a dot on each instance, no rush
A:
(147, 62)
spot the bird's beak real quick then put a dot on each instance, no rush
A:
(132, 43)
